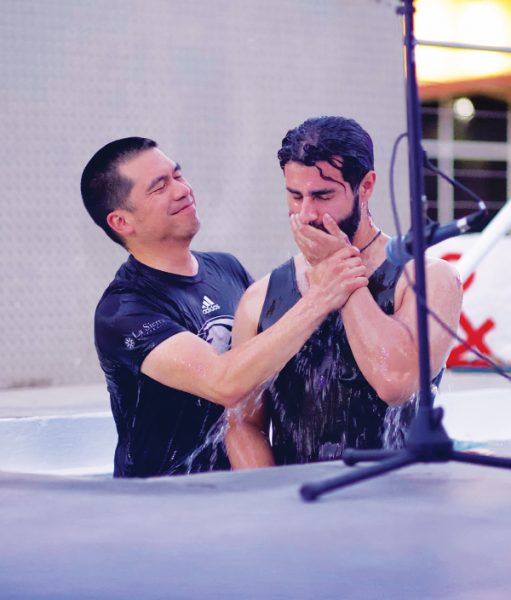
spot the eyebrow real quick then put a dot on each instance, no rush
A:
(161, 178)
(323, 192)
(314, 193)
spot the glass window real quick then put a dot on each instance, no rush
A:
(488, 179)
(429, 114)
(431, 191)
(488, 122)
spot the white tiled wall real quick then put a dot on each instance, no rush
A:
(217, 83)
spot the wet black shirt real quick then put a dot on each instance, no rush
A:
(320, 402)
(161, 430)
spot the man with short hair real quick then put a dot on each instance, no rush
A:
(163, 326)
(354, 382)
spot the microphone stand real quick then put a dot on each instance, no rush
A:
(427, 440)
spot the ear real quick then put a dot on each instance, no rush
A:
(366, 187)
(117, 221)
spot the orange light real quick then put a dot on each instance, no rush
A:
(478, 22)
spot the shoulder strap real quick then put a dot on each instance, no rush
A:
(281, 295)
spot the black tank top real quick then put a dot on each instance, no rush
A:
(320, 402)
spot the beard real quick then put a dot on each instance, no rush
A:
(349, 224)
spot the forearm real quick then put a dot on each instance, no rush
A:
(385, 349)
(247, 366)
(248, 447)
(187, 363)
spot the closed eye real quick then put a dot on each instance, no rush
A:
(157, 185)
(160, 188)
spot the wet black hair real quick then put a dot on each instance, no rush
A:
(341, 142)
(103, 188)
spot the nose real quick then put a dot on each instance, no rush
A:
(308, 210)
(185, 189)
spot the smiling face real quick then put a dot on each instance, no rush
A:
(315, 190)
(160, 206)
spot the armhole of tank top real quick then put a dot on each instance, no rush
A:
(271, 279)
(399, 271)
(276, 277)
(292, 274)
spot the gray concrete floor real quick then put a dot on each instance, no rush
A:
(454, 381)
(53, 401)
(65, 400)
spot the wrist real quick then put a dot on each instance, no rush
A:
(354, 297)
(316, 303)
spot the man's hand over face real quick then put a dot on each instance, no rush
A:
(316, 245)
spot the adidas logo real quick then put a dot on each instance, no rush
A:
(208, 305)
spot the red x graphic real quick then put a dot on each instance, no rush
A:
(474, 335)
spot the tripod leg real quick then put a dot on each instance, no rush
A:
(351, 456)
(481, 459)
(310, 491)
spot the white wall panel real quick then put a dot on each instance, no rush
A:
(217, 83)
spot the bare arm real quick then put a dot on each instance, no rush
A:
(386, 346)
(246, 437)
(187, 363)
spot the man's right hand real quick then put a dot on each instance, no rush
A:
(315, 244)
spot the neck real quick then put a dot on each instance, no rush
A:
(374, 253)
(365, 232)
(177, 259)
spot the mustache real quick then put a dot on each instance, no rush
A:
(319, 226)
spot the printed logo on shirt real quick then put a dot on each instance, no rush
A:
(208, 305)
(145, 330)
(217, 332)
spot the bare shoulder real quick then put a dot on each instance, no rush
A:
(441, 275)
(249, 310)
(435, 268)
(254, 295)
